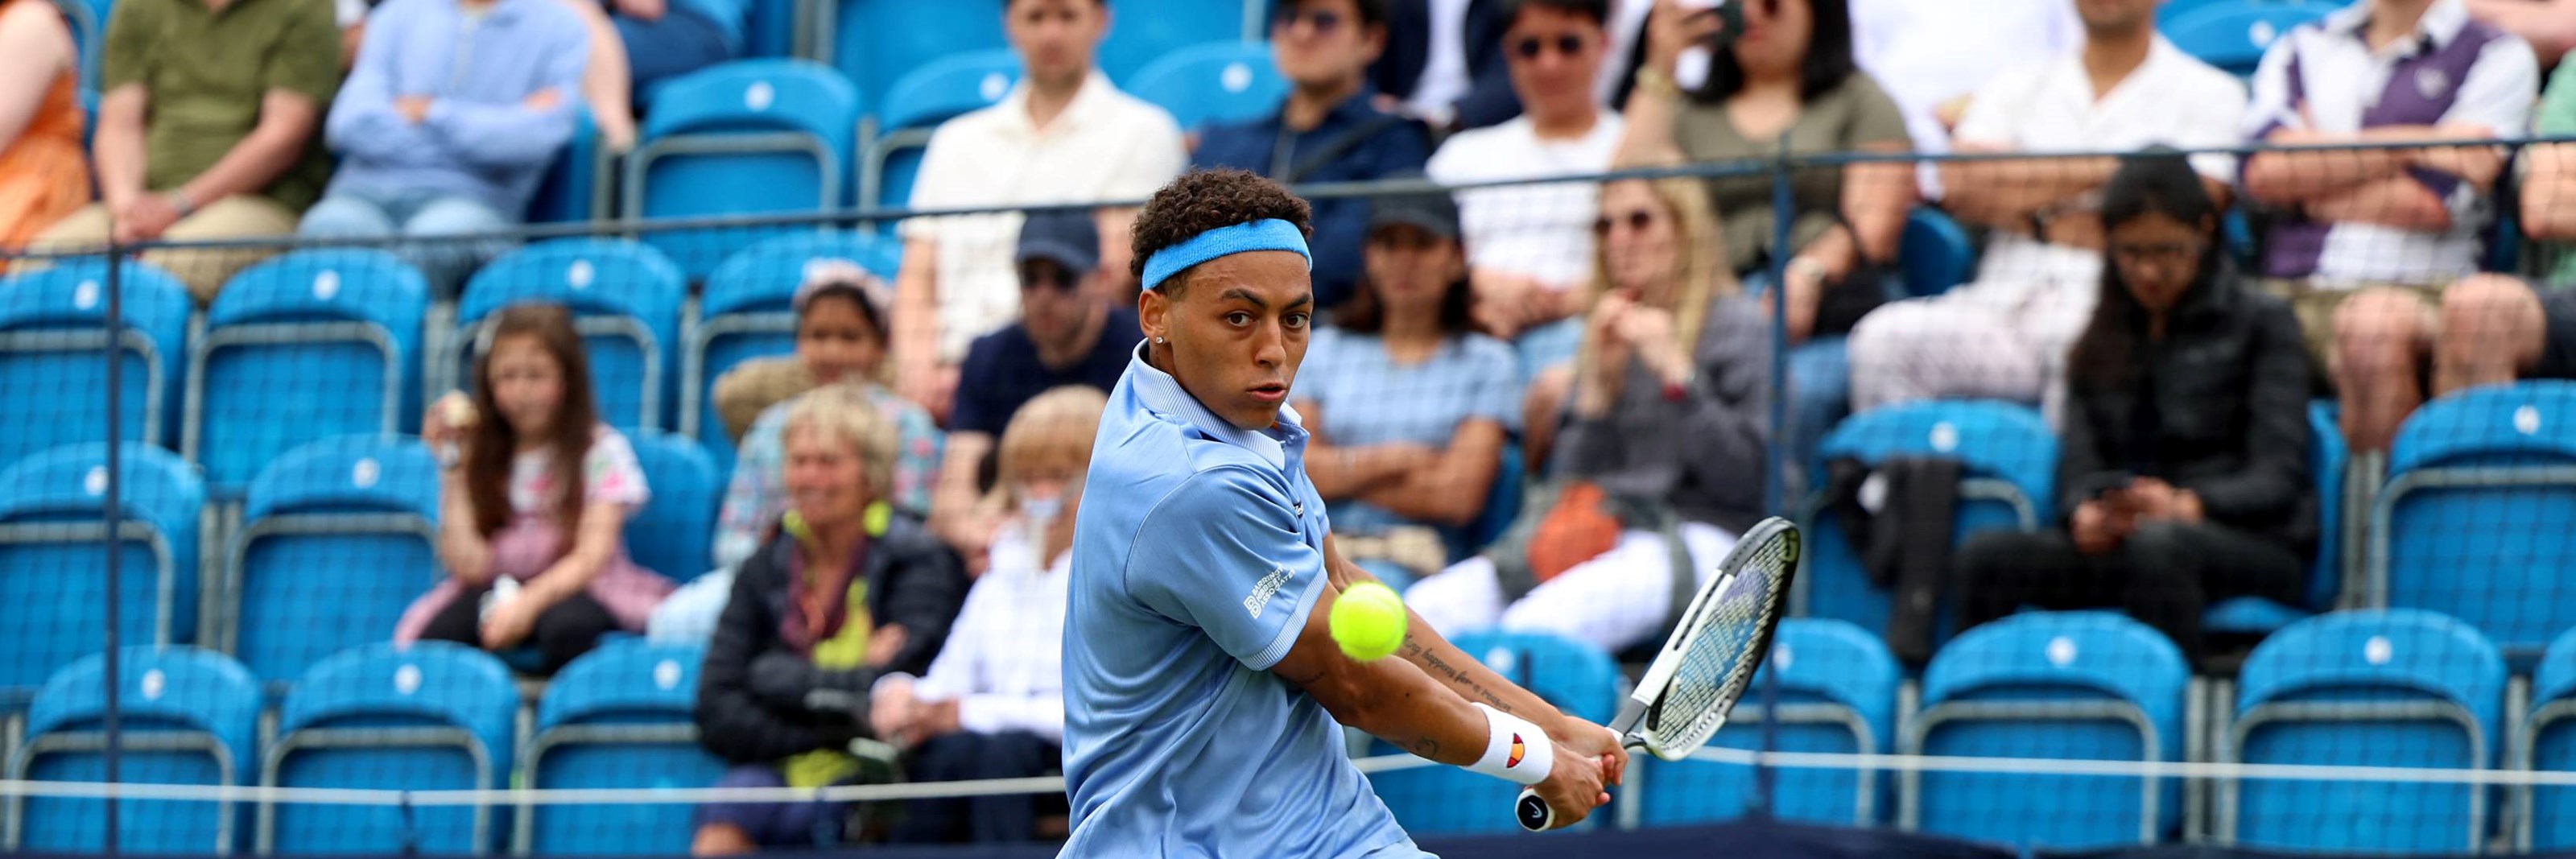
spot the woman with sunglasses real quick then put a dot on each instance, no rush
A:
(1659, 440)
(1788, 71)
(2183, 470)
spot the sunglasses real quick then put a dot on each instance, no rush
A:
(1323, 20)
(1048, 277)
(1532, 47)
(1636, 221)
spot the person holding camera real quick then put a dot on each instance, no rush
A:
(2183, 467)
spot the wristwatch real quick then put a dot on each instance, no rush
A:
(180, 201)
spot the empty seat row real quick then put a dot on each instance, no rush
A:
(431, 717)
(336, 538)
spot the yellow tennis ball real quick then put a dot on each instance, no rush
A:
(1368, 621)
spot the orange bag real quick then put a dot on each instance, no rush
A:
(1577, 529)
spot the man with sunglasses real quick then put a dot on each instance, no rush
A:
(1328, 130)
(1530, 246)
(1069, 333)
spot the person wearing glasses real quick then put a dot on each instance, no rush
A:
(1530, 246)
(1070, 333)
(2183, 465)
(1329, 129)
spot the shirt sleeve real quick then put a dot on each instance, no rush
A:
(513, 134)
(609, 472)
(1223, 553)
(2213, 122)
(752, 493)
(129, 55)
(1875, 117)
(1996, 110)
(2498, 91)
(1155, 154)
(306, 61)
(363, 122)
(928, 192)
(2558, 103)
(2270, 108)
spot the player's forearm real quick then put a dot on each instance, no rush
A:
(1443, 662)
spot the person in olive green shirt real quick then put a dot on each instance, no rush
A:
(209, 126)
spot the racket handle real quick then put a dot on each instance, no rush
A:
(1533, 812)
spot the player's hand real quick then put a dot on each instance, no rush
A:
(1574, 788)
(1598, 743)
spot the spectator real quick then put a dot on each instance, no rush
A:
(1661, 452)
(1065, 134)
(534, 551)
(1529, 242)
(816, 616)
(1444, 63)
(2184, 462)
(664, 39)
(1069, 333)
(1409, 408)
(452, 116)
(2497, 329)
(1932, 55)
(2005, 336)
(2365, 239)
(2549, 178)
(2549, 25)
(1790, 73)
(607, 87)
(43, 174)
(1328, 130)
(840, 341)
(992, 705)
(207, 123)
(351, 16)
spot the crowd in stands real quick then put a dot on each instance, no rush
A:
(893, 550)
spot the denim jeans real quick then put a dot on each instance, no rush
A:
(446, 264)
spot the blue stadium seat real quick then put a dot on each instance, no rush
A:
(88, 22)
(2547, 743)
(2059, 685)
(631, 321)
(1213, 83)
(2234, 35)
(434, 716)
(310, 345)
(1502, 505)
(571, 189)
(674, 532)
(1935, 252)
(336, 540)
(747, 313)
(52, 383)
(2381, 688)
(188, 717)
(859, 39)
(1575, 677)
(53, 608)
(917, 104)
(741, 138)
(2010, 461)
(618, 717)
(1836, 688)
(1144, 33)
(2326, 460)
(2472, 522)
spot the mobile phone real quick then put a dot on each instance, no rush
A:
(1729, 13)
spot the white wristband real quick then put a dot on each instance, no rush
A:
(1518, 750)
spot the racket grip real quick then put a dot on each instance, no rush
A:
(1533, 812)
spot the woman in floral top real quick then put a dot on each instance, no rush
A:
(534, 552)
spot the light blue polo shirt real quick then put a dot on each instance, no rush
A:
(1197, 557)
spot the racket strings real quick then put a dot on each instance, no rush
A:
(1718, 659)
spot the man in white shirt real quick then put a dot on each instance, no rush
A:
(2366, 238)
(2005, 336)
(1529, 247)
(1931, 55)
(1063, 135)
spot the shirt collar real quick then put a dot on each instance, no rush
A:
(1162, 393)
(2441, 23)
(1087, 101)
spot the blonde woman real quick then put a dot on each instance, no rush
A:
(844, 590)
(992, 705)
(1659, 432)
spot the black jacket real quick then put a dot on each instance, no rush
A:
(2218, 407)
(755, 713)
(1489, 99)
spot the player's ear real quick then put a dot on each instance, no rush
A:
(1154, 313)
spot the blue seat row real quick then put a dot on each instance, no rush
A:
(431, 717)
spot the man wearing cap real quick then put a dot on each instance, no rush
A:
(1204, 694)
(1069, 333)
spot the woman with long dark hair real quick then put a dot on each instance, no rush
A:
(533, 503)
(2183, 470)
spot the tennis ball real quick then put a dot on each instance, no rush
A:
(1368, 621)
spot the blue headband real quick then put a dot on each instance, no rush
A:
(1269, 235)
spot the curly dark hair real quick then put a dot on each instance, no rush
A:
(1204, 200)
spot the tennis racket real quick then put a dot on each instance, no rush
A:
(1708, 662)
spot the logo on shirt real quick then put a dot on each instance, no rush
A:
(1263, 590)
(1517, 751)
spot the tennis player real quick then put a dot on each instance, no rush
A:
(1202, 690)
